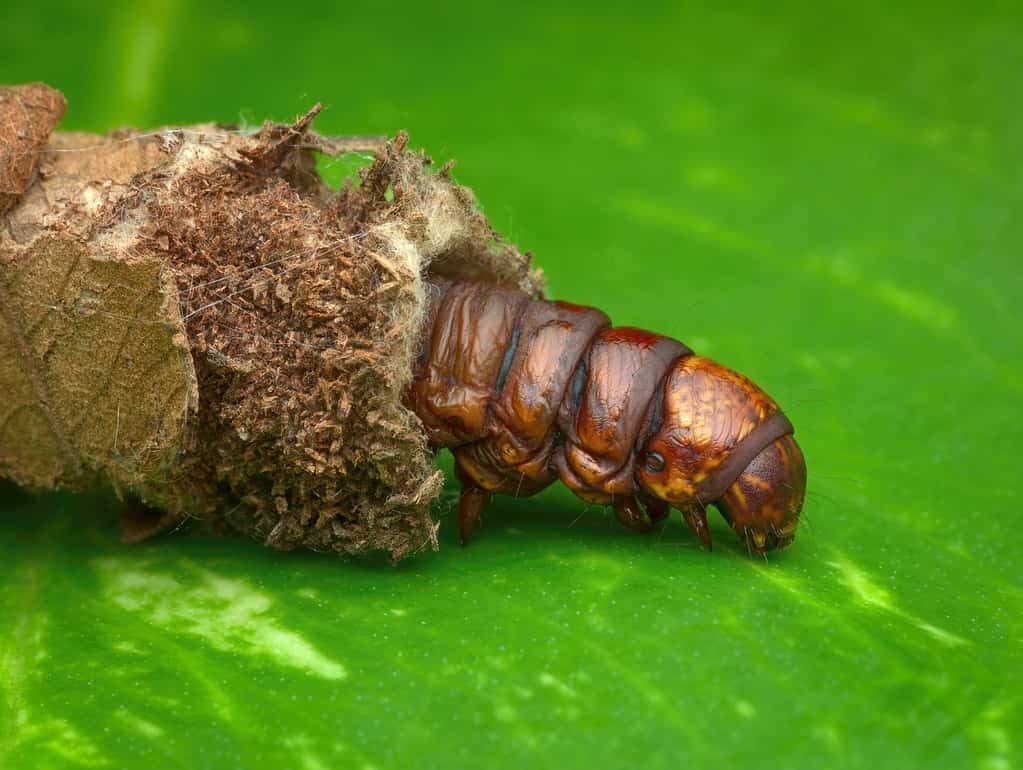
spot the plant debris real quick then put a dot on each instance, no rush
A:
(191, 315)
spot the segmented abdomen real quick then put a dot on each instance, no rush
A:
(524, 392)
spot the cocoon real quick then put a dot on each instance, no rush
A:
(192, 316)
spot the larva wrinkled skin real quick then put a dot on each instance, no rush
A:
(527, 392)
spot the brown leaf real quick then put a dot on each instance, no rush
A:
(28, 114)
(81, 337)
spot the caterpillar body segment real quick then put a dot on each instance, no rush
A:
(527, 392)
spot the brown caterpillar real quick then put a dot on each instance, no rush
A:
(525, 392)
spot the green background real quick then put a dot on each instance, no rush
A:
(827, 200)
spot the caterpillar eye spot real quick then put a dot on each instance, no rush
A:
(654, 462)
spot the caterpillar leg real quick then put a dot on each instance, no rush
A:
(696, 518)
(657, 510)
(140, 522)
(470, 505)
(630, 514)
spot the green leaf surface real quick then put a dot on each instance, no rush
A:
(827, 200)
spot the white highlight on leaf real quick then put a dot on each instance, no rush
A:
(860, 583)
(63, 739)
(143, 727)
(871, 594)
(994, 740)
(745, 709)
(301, 747)
(549, 680)
(228, 614)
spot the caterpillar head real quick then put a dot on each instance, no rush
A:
(714, 437)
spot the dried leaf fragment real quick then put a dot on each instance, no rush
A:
(28, 114)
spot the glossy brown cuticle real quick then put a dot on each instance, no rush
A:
(528, 392)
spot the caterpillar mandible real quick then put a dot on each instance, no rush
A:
(525, 392)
